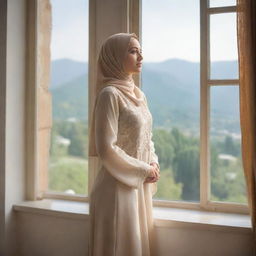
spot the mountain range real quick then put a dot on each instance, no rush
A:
(172, 88)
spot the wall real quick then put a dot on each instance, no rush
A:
(40, 235)
(12, 171)
(3, 45)
(44, 235)
(173, 241)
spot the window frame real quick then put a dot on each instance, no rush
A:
(133, 24)
(206, 85)
(205, 203)
(31, 101)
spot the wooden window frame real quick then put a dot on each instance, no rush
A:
(205, 203)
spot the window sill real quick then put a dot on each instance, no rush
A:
(163, 216)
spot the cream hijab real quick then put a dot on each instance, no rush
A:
(110, 71)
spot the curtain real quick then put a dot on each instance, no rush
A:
(246, 33)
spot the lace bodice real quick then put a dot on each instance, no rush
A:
(134, 126)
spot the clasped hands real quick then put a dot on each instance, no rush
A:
(154, 174)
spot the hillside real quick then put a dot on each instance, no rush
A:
(171, 87)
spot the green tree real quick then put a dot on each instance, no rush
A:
(187, 172)
(69, 173)
(164, 147)
(229, 147)
(78, 146)
(167, 188)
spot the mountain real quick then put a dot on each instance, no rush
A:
(172, 89)
(66, 70)
(71, 99)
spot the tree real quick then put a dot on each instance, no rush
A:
(78, 146)
(187, 172)
(164, 147)
(229, 147)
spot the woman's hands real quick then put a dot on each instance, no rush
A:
(154, 174)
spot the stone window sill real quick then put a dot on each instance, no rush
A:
(163, 216)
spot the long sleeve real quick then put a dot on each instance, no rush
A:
(122, 166)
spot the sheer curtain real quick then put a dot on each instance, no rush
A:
(246, 30)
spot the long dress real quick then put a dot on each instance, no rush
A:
(121, 221)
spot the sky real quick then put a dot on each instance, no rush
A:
(170, 29)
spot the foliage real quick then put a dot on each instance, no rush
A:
(69, 173)
(178, 154)
(167, 188)
(76, 132)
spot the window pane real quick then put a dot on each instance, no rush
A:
(227, 178)
(220, 3)
(68, 166)
(170, 80)
(223, 46)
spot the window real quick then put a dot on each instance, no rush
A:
(170, 79)
(62, 98)
(190, 77)
(68, 164)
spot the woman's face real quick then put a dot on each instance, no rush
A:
(133, 60)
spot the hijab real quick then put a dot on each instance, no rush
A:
(110, 71)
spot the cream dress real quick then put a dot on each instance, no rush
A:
(121, 221)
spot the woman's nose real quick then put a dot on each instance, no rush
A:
(140, 57)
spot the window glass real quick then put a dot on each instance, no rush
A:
(221, 3)
(170, 80)
(68, 165)
(223, 46)
(227, 176)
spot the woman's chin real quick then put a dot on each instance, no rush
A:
(138, 70)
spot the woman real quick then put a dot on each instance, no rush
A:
(121, 222)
